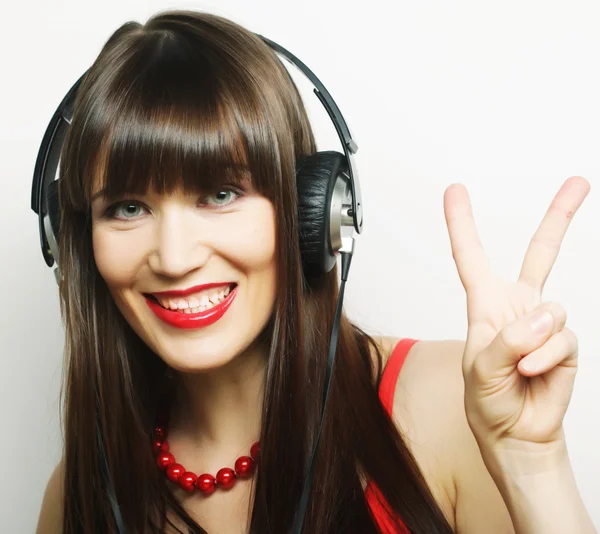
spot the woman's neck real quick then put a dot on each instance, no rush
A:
(221, 409)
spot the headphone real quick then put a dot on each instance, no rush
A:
(329, 197)
(329, 211)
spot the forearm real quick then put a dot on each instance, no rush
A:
(541, 495)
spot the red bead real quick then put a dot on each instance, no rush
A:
(160, 432)
(160, 446)
(174, 472)
(206, 483)
(187, 481)
(244, 466)
(226, 477)
(164, 460)
(255, 451)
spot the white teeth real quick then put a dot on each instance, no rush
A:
(196, 303)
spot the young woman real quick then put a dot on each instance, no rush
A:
(196, 343)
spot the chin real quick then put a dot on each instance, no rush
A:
(197, 356)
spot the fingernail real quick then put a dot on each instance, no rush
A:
(541, 323)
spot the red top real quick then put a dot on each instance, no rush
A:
(375, 499)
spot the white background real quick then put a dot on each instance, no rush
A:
(503, 97)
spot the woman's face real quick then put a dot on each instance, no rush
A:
(194, 277)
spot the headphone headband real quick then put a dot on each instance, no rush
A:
(343, 131)
(46, 164)
(47, 161)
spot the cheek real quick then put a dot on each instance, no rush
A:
(247, 238)
(116, 256)
(255, 239)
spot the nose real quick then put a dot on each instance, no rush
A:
(179, 247)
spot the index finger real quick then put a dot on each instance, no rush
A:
(546, 242)
(467, 250)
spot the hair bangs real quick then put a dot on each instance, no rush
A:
(169, 148)
(180, 122)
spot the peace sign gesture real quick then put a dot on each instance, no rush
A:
(520, 360)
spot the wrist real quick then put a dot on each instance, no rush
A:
(515, 459)
(538, 486)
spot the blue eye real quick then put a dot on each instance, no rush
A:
(222, 198)
(124, 210)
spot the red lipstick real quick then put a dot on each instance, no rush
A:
(191, 320)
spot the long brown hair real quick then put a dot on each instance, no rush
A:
(192, 99)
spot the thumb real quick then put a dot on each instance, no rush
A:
(518, 339)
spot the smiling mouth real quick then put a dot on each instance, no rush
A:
(192, 303)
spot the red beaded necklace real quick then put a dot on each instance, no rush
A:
(205, 483)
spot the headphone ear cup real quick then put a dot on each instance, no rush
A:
(316, 176)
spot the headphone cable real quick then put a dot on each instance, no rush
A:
(299, 520)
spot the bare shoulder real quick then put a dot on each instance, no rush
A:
(386, 345)
(429, 411)
(50, 519)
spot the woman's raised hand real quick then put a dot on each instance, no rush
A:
(520, 359)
